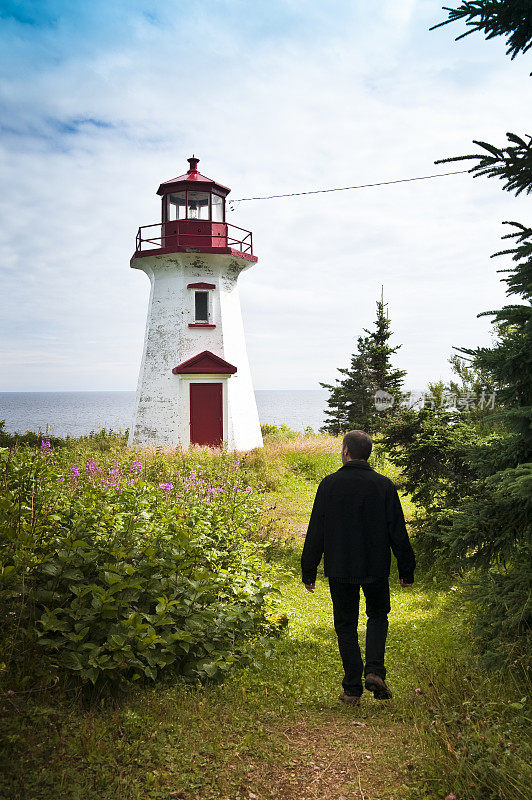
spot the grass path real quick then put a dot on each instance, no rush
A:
(277, 732)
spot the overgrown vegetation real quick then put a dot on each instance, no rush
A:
(269, 725)
(113, 570)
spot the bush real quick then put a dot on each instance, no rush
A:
(278, 431)
(110, 575)
(31, 438)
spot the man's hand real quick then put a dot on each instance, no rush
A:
(310, 587)
(403, 584)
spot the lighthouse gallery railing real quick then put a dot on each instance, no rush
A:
(151, 237)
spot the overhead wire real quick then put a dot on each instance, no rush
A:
(347, 188)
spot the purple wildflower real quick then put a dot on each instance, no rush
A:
(166, 487)
(61, 478)
(74, 472)
(10, 692)
(46, 447)
(418, 691)
(136, 466)
(249, 490)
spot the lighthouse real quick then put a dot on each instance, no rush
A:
(194, 383)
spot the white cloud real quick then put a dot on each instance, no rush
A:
(367, 99)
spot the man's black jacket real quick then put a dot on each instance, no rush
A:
(356, 518)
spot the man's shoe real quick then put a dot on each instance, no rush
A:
(374, 683)
(350, 699)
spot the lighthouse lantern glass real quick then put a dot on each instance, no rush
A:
(177, 205)
(217, 208)
(198, 205)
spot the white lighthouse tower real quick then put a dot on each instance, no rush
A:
(194, 384)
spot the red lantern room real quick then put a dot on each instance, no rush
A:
(193, 220)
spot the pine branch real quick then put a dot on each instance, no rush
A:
(511, 19)
(512, 164)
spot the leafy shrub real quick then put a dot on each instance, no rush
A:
(31, 438)
(106, 576)
(278, 431)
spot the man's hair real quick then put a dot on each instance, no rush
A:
(358, 444)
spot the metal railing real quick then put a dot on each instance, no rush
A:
(149, 239)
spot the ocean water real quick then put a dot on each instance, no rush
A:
(78, 413)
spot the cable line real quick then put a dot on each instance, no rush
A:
(346, 188)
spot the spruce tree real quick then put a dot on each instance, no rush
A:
(471, 473)
(352, 400)
(489, 527)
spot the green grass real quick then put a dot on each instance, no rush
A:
(276, 730)
(205, 741)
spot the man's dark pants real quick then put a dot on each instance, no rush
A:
(346, 598)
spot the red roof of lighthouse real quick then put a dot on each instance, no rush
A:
(192, 176)
(205, 363)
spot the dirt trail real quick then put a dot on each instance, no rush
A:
(337, 755)
(338, 752)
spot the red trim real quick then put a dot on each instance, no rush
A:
(200, 325)
(204, 363)
(194, 184)
(201, 286)
(192, 174)
(159, 251)
(194, 236)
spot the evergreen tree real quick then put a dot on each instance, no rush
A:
(476, 487)
(352, 403)
(508, 363)
(492, 527)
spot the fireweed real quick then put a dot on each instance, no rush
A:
(117, 573)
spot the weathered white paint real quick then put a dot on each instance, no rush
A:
(162, 414)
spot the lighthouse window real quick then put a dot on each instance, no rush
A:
(198, 205)
(201, 307)
(177, 205)
(217, 208)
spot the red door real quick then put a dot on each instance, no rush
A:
(206, 414)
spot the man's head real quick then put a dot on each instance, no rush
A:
(356, 444)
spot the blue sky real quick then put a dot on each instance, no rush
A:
(101, 101)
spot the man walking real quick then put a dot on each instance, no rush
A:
(356, 519)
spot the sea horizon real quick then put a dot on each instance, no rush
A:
(78, 412)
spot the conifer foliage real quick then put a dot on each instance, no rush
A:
(512, 164)
(352, 401)
(509, 18)
(480, 518)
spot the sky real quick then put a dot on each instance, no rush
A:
(101, 101)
